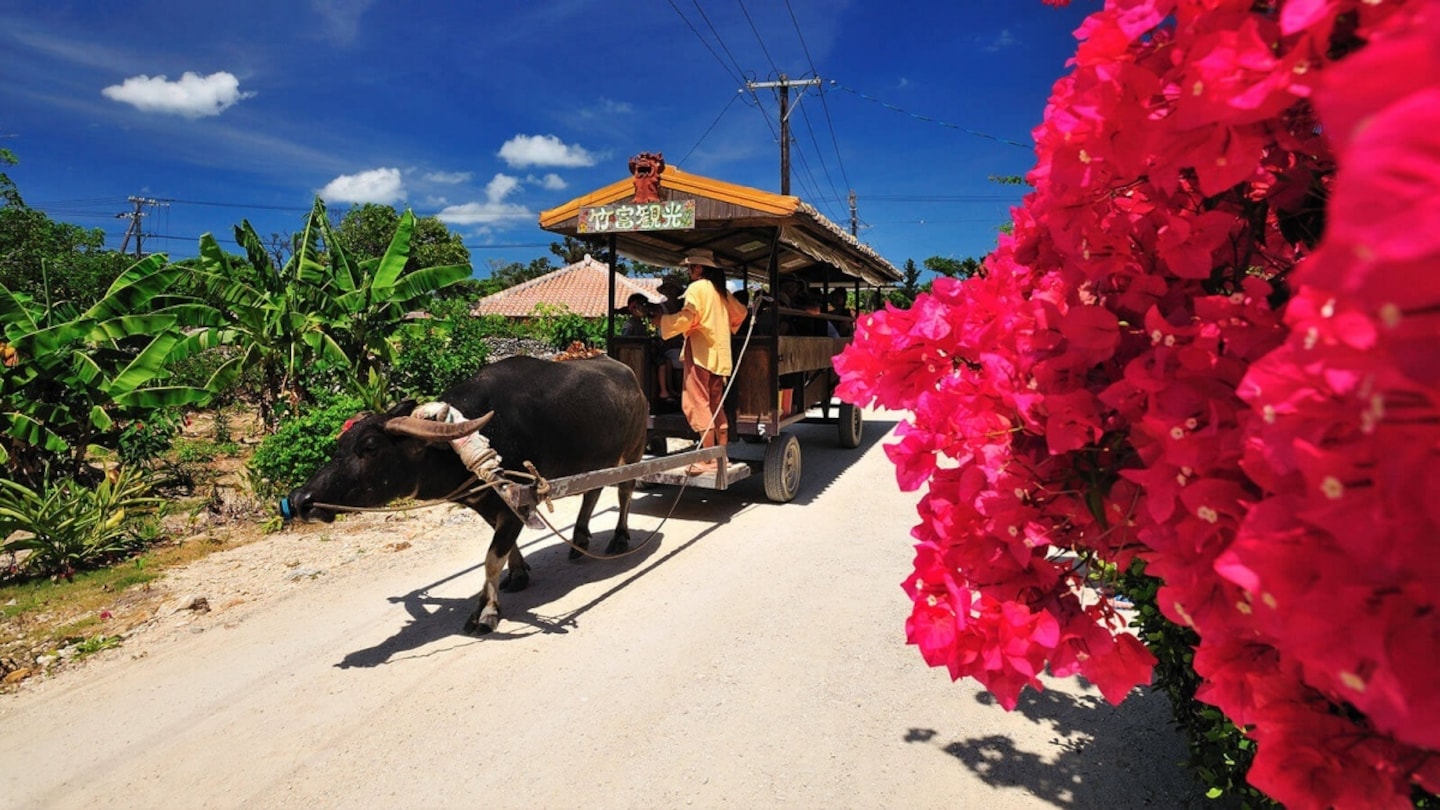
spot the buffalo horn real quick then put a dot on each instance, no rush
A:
(435, 431)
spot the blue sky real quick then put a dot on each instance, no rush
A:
(487, 113)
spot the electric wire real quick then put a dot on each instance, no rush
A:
(928, 119)
(711, 128)
(825, 105)
(719, 39)
(758, 38)
(706, 43)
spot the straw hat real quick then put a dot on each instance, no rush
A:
(699, 256)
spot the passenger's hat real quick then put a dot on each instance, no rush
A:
(700, 256)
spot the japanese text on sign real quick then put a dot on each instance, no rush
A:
(670, 215)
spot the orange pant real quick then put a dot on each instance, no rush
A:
(702, 396)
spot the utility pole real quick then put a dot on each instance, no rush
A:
(854, 216)
(135, 218)
(784, 86)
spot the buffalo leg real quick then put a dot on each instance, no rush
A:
(620, 542)
(582, 523)
(487, 613)
(517, 572)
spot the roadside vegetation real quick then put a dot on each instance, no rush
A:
(150, 411)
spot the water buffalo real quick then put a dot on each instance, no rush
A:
(564, 417)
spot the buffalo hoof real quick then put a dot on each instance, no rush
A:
(580, 546)
(514, 581)
(483, 621)
(619, 544)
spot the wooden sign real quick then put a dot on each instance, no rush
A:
(666, 215)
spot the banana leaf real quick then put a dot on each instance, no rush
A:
(173, 396)
(16, 318)
(33, 433)
(128, 326)
(146, 366)
(424, 281)
(135, 288)
(397, 255)
(100, 418)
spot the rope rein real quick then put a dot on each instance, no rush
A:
(487, 475)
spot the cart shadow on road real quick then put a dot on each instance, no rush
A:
(1100, 756)
(433, 617)
(553, 575)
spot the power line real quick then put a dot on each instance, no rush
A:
(825, 105)
(739, 75)
(758, 38)
(713, 124)
(927, 119)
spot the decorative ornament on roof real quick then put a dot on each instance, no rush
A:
(646, 169)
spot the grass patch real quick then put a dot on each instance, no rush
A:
(89, 587)
(41, 614)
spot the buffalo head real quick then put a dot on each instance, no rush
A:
(381, 458)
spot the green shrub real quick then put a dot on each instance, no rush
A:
(1220, 753)
(198, 369)
(145, 440)
(223, 436)
(498, 326)
(300, 446)
(441, 352)
(67, 527)
(194, 451)
(558, 327)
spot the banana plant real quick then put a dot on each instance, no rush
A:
(321, 308)
(368, 300)
(270, 317)
(68, 376)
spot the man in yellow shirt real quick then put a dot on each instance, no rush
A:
(708, 318)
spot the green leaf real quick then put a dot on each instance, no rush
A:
(173, 396)
(135, 288)
(14, 314)
(146, 366)
(32, 432)
(425, 281)
(397, 255)
(100, 419)
(126, 326)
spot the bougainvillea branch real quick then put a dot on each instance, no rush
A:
(1210, 343)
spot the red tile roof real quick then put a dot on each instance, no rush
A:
(579, 287)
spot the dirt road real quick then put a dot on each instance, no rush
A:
(752, 656)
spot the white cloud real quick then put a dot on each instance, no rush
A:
(382, 186)
(607, 108)
(483, 213)
(340, 19)
(1004, 40)
(193, 96)
(449, 178)
(493, 211)
(550, 182)
(543, 150)
(500, 187)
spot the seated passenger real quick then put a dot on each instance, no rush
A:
(839, 301)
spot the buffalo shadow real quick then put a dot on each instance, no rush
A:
(433, 618)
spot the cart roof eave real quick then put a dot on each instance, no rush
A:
(738, 223)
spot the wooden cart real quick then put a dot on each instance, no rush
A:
(765, 239)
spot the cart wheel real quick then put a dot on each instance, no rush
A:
(851, 425)
(782, 468)
(658, 446)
